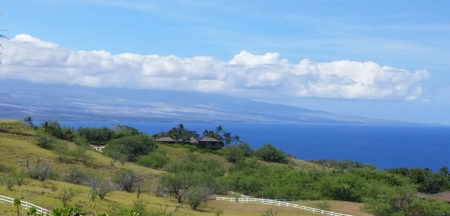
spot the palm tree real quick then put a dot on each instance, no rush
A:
(17, 204)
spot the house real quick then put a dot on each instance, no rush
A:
(209, 142)
(98, 148)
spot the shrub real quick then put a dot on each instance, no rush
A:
(44, 140)
(40, 171)
(155, 160)
(269, 153)
(66, 195)
(238, 152)
(127, 179)
(77, 176)
(132, 146)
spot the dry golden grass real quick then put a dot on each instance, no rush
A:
(15, 127)
(351, 208)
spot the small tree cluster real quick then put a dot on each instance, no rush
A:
(131, 146)
(192, 180)
(270, 153)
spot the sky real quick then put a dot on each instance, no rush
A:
(380, 59)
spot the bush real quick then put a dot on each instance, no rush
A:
(77, 176)
(44, 140)
(132, 146)
(127, 179)
(40, 171)
(155, 160)
(269, 153)
(194, 163)
(238, 152)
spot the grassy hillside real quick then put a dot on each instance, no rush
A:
(18, 148)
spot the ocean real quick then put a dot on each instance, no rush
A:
(382, 146)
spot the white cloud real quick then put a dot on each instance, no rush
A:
(246, 74)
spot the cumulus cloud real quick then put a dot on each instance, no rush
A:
(245, 74)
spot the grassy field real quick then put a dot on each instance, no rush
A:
(17, 148)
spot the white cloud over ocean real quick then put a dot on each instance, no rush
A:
(245, 74)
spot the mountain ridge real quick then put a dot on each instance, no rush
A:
(67, 102)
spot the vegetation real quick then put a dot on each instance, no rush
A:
(183, 177)
(269, 153)
(182, 135)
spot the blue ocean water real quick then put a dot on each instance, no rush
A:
(382, 146)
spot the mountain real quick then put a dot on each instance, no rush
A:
(64, 102)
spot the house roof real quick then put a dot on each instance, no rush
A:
(208, 139)
(193, 140)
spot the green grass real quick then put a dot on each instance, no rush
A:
(17, 148)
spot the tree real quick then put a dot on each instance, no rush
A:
(99, 136)
(220, 134)
(62, 149)
(177, 184)
(28, 119)
(269, 153)
(127, 179)
(133, 146)
(180, 134)
(17, 204)
(238, 152)
(104, 187)
(123, 130)
(53, 128)
(196, 195)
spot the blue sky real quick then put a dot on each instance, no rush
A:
(383, 59)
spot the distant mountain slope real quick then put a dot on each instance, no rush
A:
(49, 101)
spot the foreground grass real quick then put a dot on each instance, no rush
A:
(48, 195)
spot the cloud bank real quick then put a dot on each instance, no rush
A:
(245, 74)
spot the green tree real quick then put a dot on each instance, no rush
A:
(44, 140)
(53, 128)
(155, 160)
(177, 184)
(238, 152)
(123, 130)
(132, 146)
(17, 204)
(98, 136)
(269, 153)
(196, 195)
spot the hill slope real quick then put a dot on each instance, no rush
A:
(18, 149)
